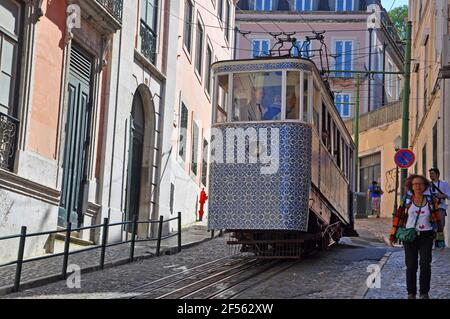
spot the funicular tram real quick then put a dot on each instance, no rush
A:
(281, 158)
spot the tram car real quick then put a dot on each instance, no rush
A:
(281, 169)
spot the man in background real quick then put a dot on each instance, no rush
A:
(374, 194)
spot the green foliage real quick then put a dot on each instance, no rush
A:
(398, 17)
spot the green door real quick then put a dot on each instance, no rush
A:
(135, 160)
(76, 139)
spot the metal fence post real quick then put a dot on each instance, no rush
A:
(158, 245)
(212, 233)
(179, 231)
(133, 237)
(66, 250)
(23, 236)
(104, 242)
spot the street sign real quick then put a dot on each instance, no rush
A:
(404, 158)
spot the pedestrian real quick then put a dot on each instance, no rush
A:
(441, 190)
(374, 194)
(416, 224)
(203, 199)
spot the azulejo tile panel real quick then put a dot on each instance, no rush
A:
(242, 197)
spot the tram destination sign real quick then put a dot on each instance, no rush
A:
(404, 158)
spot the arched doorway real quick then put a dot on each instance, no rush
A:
(135, 158)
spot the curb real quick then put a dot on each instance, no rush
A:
(42, 281)
(362, 291)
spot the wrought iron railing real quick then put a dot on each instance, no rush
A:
(8, 137)
(115, 7)
(106, 226)
(148, 42)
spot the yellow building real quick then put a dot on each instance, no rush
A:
(379, 137)
(429, 114)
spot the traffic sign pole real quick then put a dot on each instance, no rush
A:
(406, 94)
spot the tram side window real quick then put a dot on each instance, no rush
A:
(305, 98)
(316, 106)
(222, 99)
(257, 96)
(345, 159)
(293, 96)
(338, 148)
(324, 125)
(329, 132)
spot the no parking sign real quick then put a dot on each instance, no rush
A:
(404, 158)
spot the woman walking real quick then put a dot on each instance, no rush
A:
(417, 223)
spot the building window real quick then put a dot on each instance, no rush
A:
(220, 10)
(228, 19)
(260, 48)
(370, 170)
(424, 160)
(9, 49)
(344, 49)
(188, 15)
(344, 5)
(343, 105)
(199, 48)
(417, 98)
(303, 5)
(182, 139)
(205, 162)
(425, 94)
(435, 145)
(149, 19)
(389, 79)
(194, 163)
(301, 48)
(398, 87)
(262, 5)
(209, 61)
(10, 29)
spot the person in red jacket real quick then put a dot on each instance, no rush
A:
(203, 199)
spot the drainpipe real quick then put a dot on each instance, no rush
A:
(383, 98)
(370, 69)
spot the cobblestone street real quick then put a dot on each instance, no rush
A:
(340, 273)
(38, 270)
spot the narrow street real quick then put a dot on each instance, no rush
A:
(206, 271)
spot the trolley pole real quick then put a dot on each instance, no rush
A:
(406, 94)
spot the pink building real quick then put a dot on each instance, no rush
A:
(347, 43)
(105, 107)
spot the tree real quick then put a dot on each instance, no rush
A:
(398, 17)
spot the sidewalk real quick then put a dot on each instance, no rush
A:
(42, 272)
(393, 272)
(393, 277)
(380, 227)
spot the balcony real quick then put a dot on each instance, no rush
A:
(382, 116)
(114, 7)
(8, 137)
(105, 15)
(148, 42)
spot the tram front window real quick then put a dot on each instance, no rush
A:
(293, 96)
(222, 99)
(257, 96)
